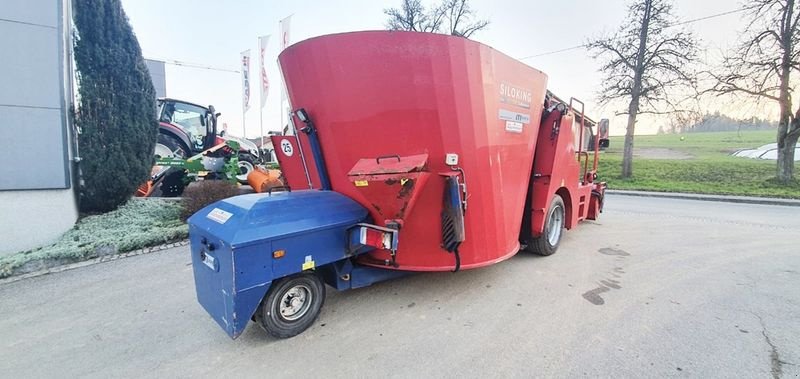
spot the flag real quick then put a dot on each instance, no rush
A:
(262, 43)
(285, 31)
(245, 80)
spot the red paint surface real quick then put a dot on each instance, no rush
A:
(373, 94)
(292, 164)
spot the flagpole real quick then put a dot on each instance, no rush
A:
(261, 122)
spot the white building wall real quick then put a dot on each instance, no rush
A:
(158, 75)
(37, 199)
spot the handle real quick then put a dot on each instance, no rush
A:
(285, 188)
(378, 159)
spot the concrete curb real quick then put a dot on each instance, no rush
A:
(702, 197)
(93, 261)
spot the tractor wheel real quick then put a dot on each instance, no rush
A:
(172, 144)
(246, 166)
(547, 243)
(291, 305)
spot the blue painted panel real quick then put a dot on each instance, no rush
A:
(310, 251)
(259, 217)
(213, 282)
(232, 242)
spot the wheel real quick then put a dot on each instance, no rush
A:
(162, 151)
(173, 183)
(547, 243)
(291, 305)
(171, 144)
(246, 166)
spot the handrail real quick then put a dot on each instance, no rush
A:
(585, 164)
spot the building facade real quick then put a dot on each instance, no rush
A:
(37, 179)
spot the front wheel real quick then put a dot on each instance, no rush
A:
(548, 242)
(291, 305)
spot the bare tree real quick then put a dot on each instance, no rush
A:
(762, 66)
(413, 16)
(646, 62)
(459, 17)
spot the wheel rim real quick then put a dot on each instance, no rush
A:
(163, 151)
(245, 168)
(555, 225)
(295, 302)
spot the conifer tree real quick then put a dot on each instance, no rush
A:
(116, 109)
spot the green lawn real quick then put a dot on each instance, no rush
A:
(709, 168)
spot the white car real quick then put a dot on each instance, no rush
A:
(768, 151)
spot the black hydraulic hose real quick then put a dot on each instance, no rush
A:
(458, 260)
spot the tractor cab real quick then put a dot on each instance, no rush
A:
(195, 125)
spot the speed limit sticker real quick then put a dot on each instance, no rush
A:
(287, 148)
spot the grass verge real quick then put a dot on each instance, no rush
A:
(137, 224)
(710, 169)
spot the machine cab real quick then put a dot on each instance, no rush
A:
(197, 122)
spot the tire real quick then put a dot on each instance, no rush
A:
(175, 146)
(282, 317)
(548, 242)
(173, 183)
(246, 166)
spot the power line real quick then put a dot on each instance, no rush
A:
(711, 16)
(554, 52)
(669, 26)
(212, 68)
(193, 65)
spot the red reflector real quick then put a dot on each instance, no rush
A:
(374, 238)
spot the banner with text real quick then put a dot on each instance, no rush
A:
(262, 43)
(245, 80)
(285, 23)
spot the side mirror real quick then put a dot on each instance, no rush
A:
(603, 143)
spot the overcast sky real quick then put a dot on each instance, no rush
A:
(213, 33)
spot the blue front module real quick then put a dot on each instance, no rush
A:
(233, 241)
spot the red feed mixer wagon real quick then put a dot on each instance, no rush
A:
(414, 152)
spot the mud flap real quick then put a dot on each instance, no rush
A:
(453, 233)
(596, 201)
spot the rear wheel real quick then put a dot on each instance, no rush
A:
(171, 144)
(548, 242)
(291, 305)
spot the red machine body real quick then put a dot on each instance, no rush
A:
(390, 107)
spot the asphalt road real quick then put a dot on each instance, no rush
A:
(657, 287)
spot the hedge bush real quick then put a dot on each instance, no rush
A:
(203, 193)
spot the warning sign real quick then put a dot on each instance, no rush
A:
(219, 215)
(287, 148)
(514, 127)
